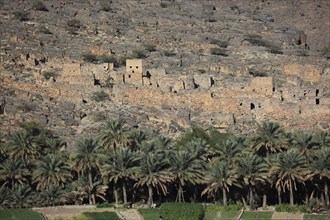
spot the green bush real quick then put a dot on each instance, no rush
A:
(21, 15)
(219, 52)
(26, 106)
(139, 54)
(106, 7)
(289, 208)
(256, 73)
(100, 96)
(182, 211)
(39, 6)
(20, 214)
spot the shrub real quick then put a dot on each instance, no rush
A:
(47, 75)
(150, 47)
(90, 58)
(100, 96)
(26, 106)
(43, 29)
(163, 5)
(218, 52)
(21, 15)
(107, 59)
(182, 211)
(169, 53)
(140, 54)
(73, 26)
(231, 207)
(74, 23)
(222, 44)
(106, 7)
(256, 73)
(39, 6)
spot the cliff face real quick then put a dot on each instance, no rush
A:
(165, 65)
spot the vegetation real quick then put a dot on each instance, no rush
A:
(17, 214)
(257, 215)
(100, 96)
(219, 52)
(182, 211)
(39, 6)
(21, 15)
(150, 213)
(101, 215)
(124, 165)
(47, 75)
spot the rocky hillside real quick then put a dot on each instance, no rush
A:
(223, 64)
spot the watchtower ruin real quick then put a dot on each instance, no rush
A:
(134, 72)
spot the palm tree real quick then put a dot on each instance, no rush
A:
(22, 147)
(305, 143)
(289, 169)
(53, 146)
(51, 170)
(185, 168)
(120, 167)
(220, 177)
(320, 168)
(114, 134)
(252, 169)
(21, 196)
(270, 138)
(228, 150)
(52, 195)
(153, 172)
(5, 197)
(88, 160)
(13, 172)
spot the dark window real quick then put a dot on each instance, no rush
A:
(129, 76)
(130, 67)
(240, 104)
(252, 106)
(317, 92)
(137, 67)
(317, 101)
(273, 89)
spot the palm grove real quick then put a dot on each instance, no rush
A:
(125, 165)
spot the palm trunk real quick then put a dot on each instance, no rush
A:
(244, 203)
(150, 200)
(279, 196)
(251, 202)
(90, 181)
(264, 200)
(224, 196)
(326, 193)
(115, 193)
(291, 193)
(180, 196)
(124, 192)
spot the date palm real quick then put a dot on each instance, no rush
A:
(88, 161)
(114, 134)
(289, 168)
(120, 167)
(13, 172)
(51, 170)
(220, 177)
(228, 149)
(253, 170)
(153, 172)
(270, 138)
(320, 168)
(21, 196)
(305, 143)
(52, 195)
(21, 146)
(185, 167)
